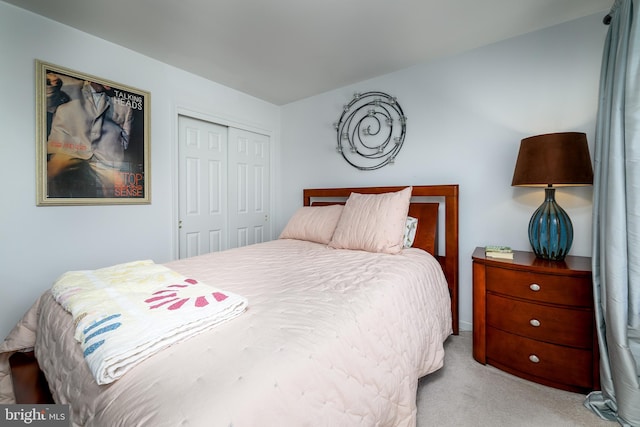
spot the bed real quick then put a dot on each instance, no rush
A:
(331, 335)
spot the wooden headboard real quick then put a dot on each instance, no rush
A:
(426, 211)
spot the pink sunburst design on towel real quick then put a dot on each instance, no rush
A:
(170, 299)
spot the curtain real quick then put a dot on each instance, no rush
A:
(616, 220)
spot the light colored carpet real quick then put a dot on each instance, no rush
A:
(466, 393)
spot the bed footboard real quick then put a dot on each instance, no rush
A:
(29, 383)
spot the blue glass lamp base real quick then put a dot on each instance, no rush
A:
(550, 229)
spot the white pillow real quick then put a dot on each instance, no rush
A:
(313, 223)
(373, 222)
(410, 232)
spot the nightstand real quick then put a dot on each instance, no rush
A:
(534, 318)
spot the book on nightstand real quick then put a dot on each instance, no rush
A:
(495, 251)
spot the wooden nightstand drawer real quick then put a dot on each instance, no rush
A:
(550, 362)
(575, 291)
(529, 307)
(570, 327)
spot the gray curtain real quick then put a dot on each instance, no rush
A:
(616, 220)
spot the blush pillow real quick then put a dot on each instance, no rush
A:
(373, 222)
(313, 223)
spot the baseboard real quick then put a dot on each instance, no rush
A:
(465, 326)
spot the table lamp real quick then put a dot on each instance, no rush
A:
(554, 159)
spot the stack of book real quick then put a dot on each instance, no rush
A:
(502, 252)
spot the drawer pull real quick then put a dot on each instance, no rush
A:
(534, 322)
(534, 358)
(534, 287)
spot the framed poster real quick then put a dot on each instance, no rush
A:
(92, 140)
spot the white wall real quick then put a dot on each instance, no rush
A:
(466, 117)
(37, 244)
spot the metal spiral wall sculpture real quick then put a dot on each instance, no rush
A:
(371, 130)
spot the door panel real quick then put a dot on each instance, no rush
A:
(249, 220)
(202, 172)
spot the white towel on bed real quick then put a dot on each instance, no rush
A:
(125, 313)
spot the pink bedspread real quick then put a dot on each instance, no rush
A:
(331, 337)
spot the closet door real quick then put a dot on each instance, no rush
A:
(248, 195)
(202, 172)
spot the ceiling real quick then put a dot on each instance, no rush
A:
(285, 50)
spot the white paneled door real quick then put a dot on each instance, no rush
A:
(223, 185)
(249, 219)
(202, 186)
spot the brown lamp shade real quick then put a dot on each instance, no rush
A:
(554, 159)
